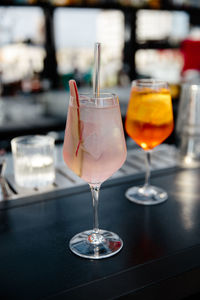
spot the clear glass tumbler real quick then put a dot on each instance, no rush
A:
(33, 157)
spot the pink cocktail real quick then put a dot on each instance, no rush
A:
(94, 148)
(102, 149)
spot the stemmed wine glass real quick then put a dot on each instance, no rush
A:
(94, 148)
(149, 121)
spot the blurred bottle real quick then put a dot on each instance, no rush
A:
(186, 3)
(66, 2)
(27, 80)
(188, 126)
(154, 4)
(133, 3)
(1, 100)
(31, 82)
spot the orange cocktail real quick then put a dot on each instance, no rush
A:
(149, 119)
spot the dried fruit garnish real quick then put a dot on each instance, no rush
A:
(74, 93)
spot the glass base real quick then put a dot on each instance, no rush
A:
(89, 244)
(146, 195)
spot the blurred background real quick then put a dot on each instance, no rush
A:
(43, 44)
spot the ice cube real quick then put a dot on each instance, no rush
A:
(93, 145)
(89, 114)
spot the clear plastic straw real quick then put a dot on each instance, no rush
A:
(96, 74)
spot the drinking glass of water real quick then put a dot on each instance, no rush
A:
(33, 157)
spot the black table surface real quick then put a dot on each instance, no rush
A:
(160, 258)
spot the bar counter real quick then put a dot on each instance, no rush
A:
(160, 258)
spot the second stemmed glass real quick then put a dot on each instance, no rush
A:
(149, 121)
(94, 148)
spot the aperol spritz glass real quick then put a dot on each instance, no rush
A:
(149, 121)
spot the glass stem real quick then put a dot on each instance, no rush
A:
(148, 167)
(95, 188)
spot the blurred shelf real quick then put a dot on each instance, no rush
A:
(159, 44)
(163, 5)
(95, 5)
(40, 124)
